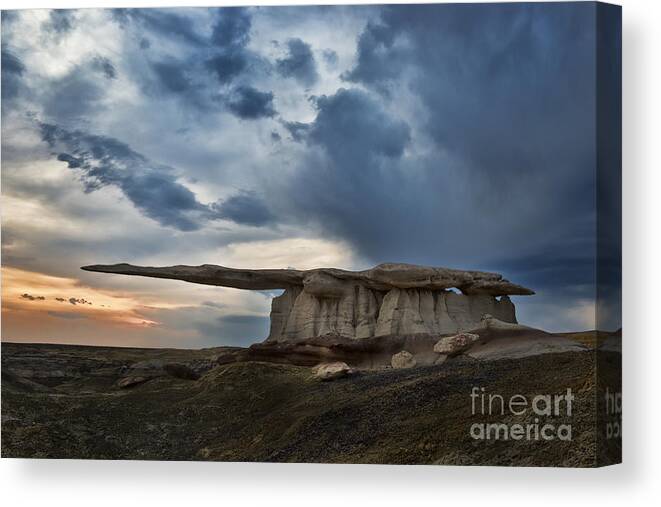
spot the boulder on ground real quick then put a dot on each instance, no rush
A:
(403, 359)
(494, 324)
(331, 371)
(456, 344)
(140, 372)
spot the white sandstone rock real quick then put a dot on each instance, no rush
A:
(498, 324)
(331, 371)
(453, 345)
(403, 359)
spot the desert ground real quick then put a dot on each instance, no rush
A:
(218, 404)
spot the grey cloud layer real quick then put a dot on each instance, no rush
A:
(210, 71)
(461, 135)
(249, 103)
(165, 23)
(505, 94)
(12, 70)
(299, 63)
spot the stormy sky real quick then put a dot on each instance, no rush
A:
(448, 135)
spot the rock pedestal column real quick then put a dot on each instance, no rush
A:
(363, 313)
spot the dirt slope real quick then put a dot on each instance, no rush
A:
(63, 402)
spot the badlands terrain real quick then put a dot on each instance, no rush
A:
(269, 402)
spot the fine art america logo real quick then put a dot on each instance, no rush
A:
(613, 414)
(535, 412)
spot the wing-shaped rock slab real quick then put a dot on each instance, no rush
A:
(389, 299)
(382, 277)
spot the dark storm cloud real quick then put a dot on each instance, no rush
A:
(11, 63)
(158, 196)
(245, 208)
(297, 130)
(506, 96)
(12, 72)
(232, 27)
(226, 59)
(167, 23)
(231, 62)
(230, 35)
(104, 161)
(357, 190)
(249, 103)
(299, 63)
(105, 66)
(171, 75)
(187, 74)
(179, 79)
(7, 17)
(504, 104)
(465, 136)
(609, 161)
(353, 127)
(60, 22)
(152, 188)
(228, 64)
(221, 53)
(377, 59)
(553, 272)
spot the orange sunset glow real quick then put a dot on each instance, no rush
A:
(33, 303)
(24, 290)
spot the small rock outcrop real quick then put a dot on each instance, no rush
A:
(182, 371)
(143, 371)
(516, 347)
(403, 359)
(453, 345)
(140, 372)
(389, 299)
(131, 381)
(332, 371)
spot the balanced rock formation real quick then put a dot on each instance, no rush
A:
(389, 299)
